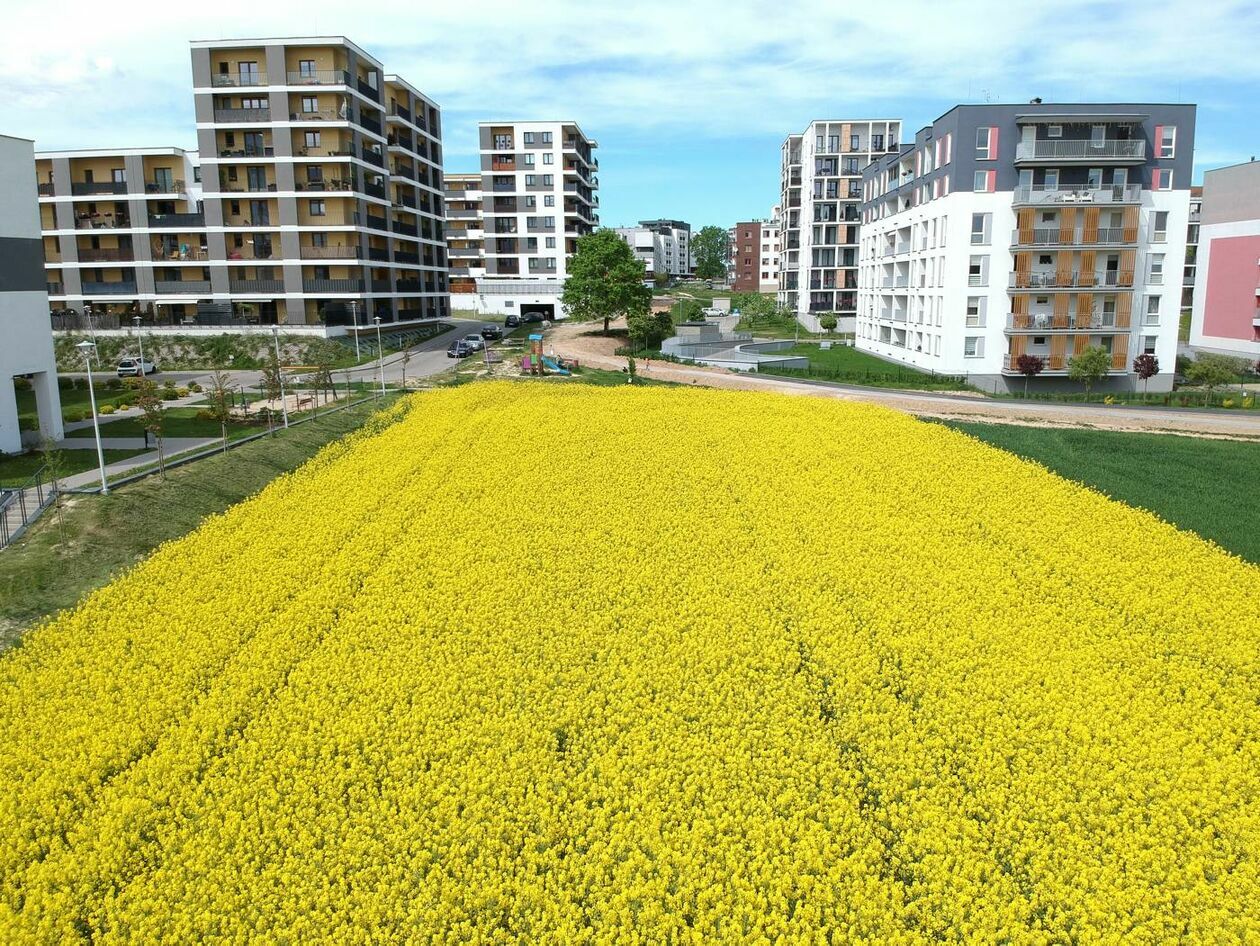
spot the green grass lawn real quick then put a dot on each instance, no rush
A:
(180, 422)
(1206, 486)
(43, 573)
(74, 400)
(16, 470)
(846, 364)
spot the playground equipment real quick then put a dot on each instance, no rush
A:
(535, 362)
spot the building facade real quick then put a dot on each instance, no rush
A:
(649, 249)
(465, 237)
(1226, 301)
(314, 198)
(679, 261)
(745, 256)
(1192, 254)
(26, 352)
(1038, 229)
(770, 245)
(539, 195)
(821, 191)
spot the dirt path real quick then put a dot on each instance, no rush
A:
(571, 341)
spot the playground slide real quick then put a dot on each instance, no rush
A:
(551, 365)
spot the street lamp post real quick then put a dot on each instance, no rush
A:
(284, 400)
(139, 338)
(354, 314)
(380, 352)
(87, 348)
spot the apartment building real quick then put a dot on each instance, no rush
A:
(1038, 229)
(770, 247)
(1226, 301)
(539, 184)
(821, 190)
(314, 198)
(1192, 253)
(465, 237)
(680, 261)
(649, 249)
(27, 349)
(745, 256)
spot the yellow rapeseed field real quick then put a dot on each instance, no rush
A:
(560, 664)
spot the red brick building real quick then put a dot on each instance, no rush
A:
(746, 257)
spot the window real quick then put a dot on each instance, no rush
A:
(985, 182)
(549, 157)
(306, 68)
(528, 137)
(978, 271)
(530, 201)
(1148, 344)
(531, 180)
(1093, 178)
(314, 173)
(982, 142)
(549, 180)
(1157, 269)
(855, 142)
(1159, 231)
(975, 311)
(833, 142)
(1039, 339)
(546, 137)
(310, 103)
(549, 200)
(973, 346)
(1161, 179)
(502, 142)
(980, 226)
(877, 142)
(317, 208)
(1054, 131)
(312, 139)
(528, 159)
(548, 222)
(1152, 310)
(550, 243)
(1051, 179)
(1165, 141)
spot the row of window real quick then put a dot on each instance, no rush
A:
(504, 142)
(527, 159)
(831, 143)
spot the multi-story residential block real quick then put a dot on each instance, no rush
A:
(770, 247)
(1192, 255)
(745, 256)
(465, 236)
(675, 235)
(1226, 310)
(821, 185)
(539, 183)
(315, 198)
(1038, 229)
(27, 349)
(649, 249)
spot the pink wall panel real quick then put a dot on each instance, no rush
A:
(1232, 277)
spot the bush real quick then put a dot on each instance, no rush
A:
(195, 388)
(1228, 402)
(75, 416)
(204, 415)
(22, 384)
(183, 392)
(168, 394)
(107, 409)
(124, 407)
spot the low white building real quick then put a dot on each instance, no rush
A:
(771, 247)
(26, 349)
(648, 248)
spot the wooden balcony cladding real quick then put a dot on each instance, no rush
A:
(1023, 268)
(1067, 225)
(1061, 307)
(1087, 261)
(1027, 219)
(1079, 344)
(1019, 305)
(1119, 352)
(1089, 232)
(1063, 269)
(1019, 345)
(1128, 258)
(1129, 223)
(1124, 309)
(1058, 352)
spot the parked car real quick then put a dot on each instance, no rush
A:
(491, 332)
(474, 341)
(458, 349)
(533, 317)
(512, 321)
(135, 368)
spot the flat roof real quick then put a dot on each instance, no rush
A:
(113, 152)
(540, 121)
(18, 138)
(282, 41)
(1081, 116)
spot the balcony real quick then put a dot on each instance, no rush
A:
(318, 115)
(318, 77)
(1038, 194)
(1058, 361)
(101, 222)
(1059, 149)
(1063, 322)
(165, 187)
(370, 123)
(376, 223)
(242, 115)
(124, 288)
(330, 252)
(178, 255)
(407, 229)
(378, 254)
(176, 221)
(256, 285)
(56, 289)
(374, 190)
(365, 88)
(410, 259)
(332, 285)
(1111, 279)
(246, 80)
(503, 165)
(1053, 236)
(374, 157)
(119, 255)
(89, 188)
(182, 285)
(400, 112)
(45, 190)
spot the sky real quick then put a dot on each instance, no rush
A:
(689, 101)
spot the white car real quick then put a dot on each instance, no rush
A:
(135, 368)
(474, 341)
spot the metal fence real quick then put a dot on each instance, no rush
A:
(21, 506)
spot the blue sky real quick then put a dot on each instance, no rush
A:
(689, 101)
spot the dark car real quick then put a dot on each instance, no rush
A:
(533, 317)
(491, 332)
(459, 349)
(512, 321)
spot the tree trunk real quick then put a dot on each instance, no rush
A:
(607, 319)
(1026, 377)
(223, 427)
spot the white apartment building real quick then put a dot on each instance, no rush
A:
(465, 237)
(1009, 230)
(679, 260)
(821, 189)
(771, 244)
(1225, 310)
(26, 351)
(649, 249)
(538, 187)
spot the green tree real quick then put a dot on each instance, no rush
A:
(1212, 371)
(220, 396)
(153, 418)
(270, 386)
(709, 247)
(55, 464)
(828, 323)
(605, 280)
(1089, 366)
(649, 329)
(753, 307)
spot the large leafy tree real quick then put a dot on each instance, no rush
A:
(605, 280)
(1089, 366)
(709, 247)
(1213, 371)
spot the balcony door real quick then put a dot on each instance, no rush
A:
(257, 177)
(259, 213)
(248, 73)
(164, 180)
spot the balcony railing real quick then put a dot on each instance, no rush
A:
(318, 77)
(376, 223)
(403, 113)
(366, 89)
(407, 229)
(182, 285)
(373, 157)
(379, 254)
(1081, 149)
(330, 252)
(242, 115)
(102, 222)
(173, 255)
(164, 187)
(125, 287)
(46, 190)
(1065, 322)
(108, 255)
(410, 259)
(503, 165)
(226, 80)
(1053, 236)
(181, 221)
(256, 285)
(1075, 280)
(1070, 194)
(86, 188)
(332, 285)
(374, 190)
(56, 289)
(370, 123)
(1059, 362)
